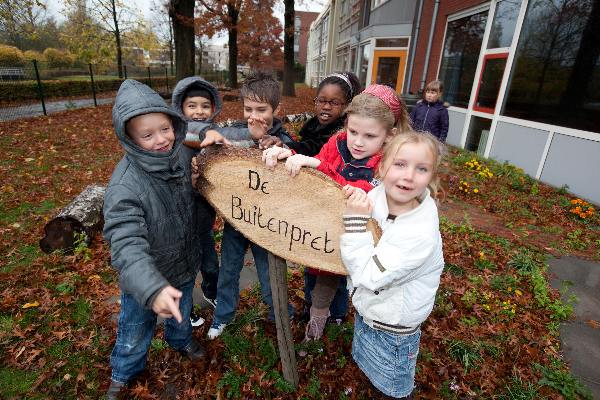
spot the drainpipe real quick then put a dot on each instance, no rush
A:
(413, 46)
(428, 53)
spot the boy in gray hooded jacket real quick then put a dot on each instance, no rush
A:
(154, 221)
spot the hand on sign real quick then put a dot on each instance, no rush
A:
(257, 127)
(213, 137)
(166, 304)
(195, 172)
(271, 155)
(357, 201)
(297, 161)
(269, 141)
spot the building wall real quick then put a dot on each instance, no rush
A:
(393, 12)
(446, 7)
(306, 19)
(574, 162)
(455, 127)
(529, 151)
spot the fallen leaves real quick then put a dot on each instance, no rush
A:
(31, 305)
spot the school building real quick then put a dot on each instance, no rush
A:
(522, 76)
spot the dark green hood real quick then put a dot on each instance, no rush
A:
(195, 81)
(133, 99)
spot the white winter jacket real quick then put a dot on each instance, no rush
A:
(396, 280)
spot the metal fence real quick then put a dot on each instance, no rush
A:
(37, 88)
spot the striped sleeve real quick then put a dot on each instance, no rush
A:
(355, 223)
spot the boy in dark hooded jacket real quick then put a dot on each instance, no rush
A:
(154, 220)
(430, 114)
(200, 103)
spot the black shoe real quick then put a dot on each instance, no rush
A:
(194, 351)
(114, 390)
(195, 319)
(211, 302)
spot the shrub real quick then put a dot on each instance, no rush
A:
(58, 58)
(34, 55)
(27, 90)
(11, 56)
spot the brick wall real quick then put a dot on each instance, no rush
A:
(306, 18)
(446, 7)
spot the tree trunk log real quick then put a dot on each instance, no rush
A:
(285, 341)
(82, 215)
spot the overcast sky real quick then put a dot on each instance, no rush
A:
(145, 7)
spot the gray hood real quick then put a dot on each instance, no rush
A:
(195, 81)
(133, 99)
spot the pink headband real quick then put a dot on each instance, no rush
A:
(388, 96)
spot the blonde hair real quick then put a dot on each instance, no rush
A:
(367, 105)
(435, 146)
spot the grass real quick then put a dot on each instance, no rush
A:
(23, 256)
(467, 354)
(11, 215)
(15, 382)
(81, 311)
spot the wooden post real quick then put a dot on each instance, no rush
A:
(285, 341)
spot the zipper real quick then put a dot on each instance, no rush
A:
(425, 119)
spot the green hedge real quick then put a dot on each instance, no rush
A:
(28, 90)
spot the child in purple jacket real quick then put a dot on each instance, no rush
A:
(430, 114)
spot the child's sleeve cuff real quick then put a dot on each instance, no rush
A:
(355, 223)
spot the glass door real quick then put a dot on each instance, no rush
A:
(388, 68)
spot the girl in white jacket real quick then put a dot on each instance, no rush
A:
(394, 280)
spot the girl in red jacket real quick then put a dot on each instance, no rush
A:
(349, 157)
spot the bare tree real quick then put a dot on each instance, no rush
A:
(224, 14)
(115, 17)
(164, 29)
(19, 20)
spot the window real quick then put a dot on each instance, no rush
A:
(489, 82)
(399, 42)
(341, 59)
(505, 19)
(459, 57)
(377, 3)
(365, 54)
(366, 14)
(556, 74)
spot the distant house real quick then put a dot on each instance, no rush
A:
(215, 57)
(302, 22)
(522, 76)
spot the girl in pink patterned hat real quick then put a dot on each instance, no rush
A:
(350, 157)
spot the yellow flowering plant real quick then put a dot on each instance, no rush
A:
(581, 209)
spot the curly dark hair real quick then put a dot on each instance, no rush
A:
(349, 91)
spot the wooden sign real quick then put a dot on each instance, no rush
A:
(297, 218)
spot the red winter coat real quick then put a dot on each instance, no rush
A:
(338, 164)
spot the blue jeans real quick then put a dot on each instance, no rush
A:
(339, 306)
(210, 265)
(135, 331)
(233, 249)
(387, 359)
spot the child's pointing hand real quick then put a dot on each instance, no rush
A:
(166, 304)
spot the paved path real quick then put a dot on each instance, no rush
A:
(35, 109)
(580, 339)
